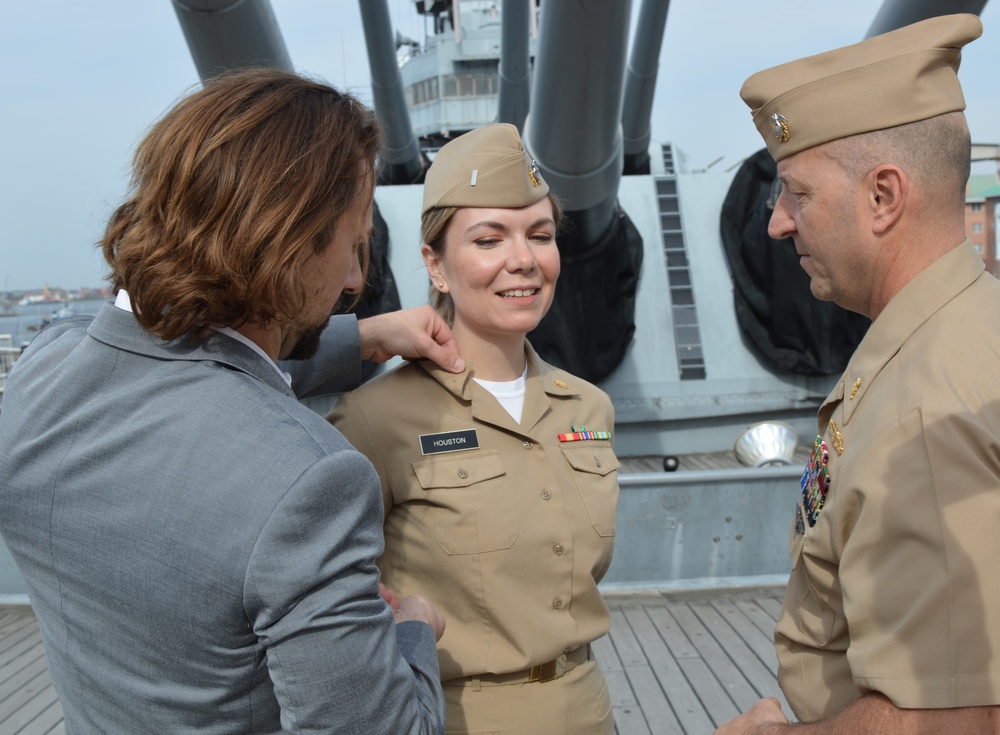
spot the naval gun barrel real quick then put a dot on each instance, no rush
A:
(515, 89)
(223, 35)
(898, 13)
(574, 127)
(404, 162)
(574, 132)
(640, 84)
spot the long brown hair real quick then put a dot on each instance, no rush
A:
(231, 191)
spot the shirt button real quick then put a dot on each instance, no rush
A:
(567, 650)
(546, 495)
(557, 603)
(527, 445)
(462, 473)
(558, 548)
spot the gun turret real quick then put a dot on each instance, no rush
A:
(898, 13)
(515, 58)
(404, 162)
(640, 84)
(574, 132)
(231, 34)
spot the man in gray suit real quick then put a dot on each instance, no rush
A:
(199, 547)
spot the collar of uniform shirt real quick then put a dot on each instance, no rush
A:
(123, 302)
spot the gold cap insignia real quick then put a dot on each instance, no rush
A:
(533, 173)
(779, 126)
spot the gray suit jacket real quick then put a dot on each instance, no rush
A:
(198, 546)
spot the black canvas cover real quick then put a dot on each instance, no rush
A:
(788, 328)
(592, 319)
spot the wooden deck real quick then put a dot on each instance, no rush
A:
(676, 663)
(28, 703)
(685, 663)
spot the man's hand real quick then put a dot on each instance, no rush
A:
(872, 714)
(764, 718)
(389, 595)
(419, 608)
(410, 333)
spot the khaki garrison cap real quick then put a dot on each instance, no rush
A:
(486, 167)
(898, 77)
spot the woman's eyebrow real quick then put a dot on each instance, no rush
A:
(501, 226)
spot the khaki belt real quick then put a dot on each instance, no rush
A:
(543, 672)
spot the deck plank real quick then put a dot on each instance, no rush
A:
(675, 665)
(713, 654)
(24, 648)
(772, 605)
(754, 666)
(690, 714)
(48, 721)
(761, 645)
(755, 611)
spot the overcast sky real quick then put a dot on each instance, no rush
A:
(80, 81)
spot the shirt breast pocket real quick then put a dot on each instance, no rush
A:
(596, 475)
(811, 613)
(472, 508)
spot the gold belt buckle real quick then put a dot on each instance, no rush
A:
(549, 670)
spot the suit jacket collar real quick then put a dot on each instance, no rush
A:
(543, 384)
(119, 329)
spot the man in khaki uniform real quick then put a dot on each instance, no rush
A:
(891, 621)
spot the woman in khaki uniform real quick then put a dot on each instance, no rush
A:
(500, 483)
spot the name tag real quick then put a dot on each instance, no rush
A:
(449, 441)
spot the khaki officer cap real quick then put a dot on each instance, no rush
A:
(898, 77)
(486, 167)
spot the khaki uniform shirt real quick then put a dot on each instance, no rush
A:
(506, 528)
(895, 586)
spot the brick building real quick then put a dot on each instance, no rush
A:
(982, 217)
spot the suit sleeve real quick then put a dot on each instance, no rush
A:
(337, 660)
(350, 419)
(336, 367)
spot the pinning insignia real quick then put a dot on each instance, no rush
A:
(815, 481)
(449, 441)
(533, 174)
(838, 438)
(800, 526)
(584, 433)
(854, 390)
(560, 384)
(779, 126)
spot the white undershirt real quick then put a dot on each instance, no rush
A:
(510, 393)
(123, 302)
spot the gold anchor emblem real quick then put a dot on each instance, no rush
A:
(779, 126)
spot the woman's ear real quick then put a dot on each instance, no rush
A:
(433, 264)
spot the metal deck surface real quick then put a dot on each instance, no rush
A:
(678, 663)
